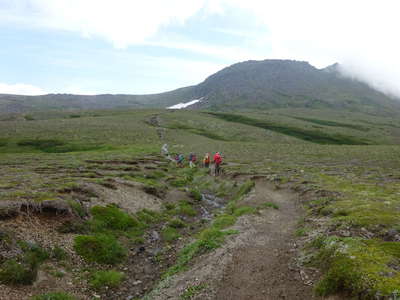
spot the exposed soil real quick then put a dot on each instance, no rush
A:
(265, 267)
(257, 263)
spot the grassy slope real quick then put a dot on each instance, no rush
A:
(367, 176)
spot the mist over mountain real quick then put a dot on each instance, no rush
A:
(246, 85)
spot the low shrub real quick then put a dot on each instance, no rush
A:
(185, 208)
(176, 223)
(111, 218)
(103, 279)
(100, 248)
(17, 273)
(170, 234)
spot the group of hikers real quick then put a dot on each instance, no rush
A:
(207, 162)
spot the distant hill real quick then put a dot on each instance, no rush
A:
(246, 85)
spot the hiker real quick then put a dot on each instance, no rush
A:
(192, 160)
(217, 163)
(206, 160)
(180, 160)
(164, 150)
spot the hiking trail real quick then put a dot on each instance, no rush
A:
(258, 263)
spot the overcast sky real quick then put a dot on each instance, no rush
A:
(135, 47)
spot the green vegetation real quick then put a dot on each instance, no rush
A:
(100, 248)
(54, 296)
(332, 123)
(356, 185)
(106, 279)
(111, 218)
(170, 234)
(356, 265)
(15, 273)
(269, 205)
(176, 223)
(192, 291)
(318, 137)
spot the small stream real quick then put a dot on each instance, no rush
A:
(210, 204)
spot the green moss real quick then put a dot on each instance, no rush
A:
(148, 216)
(224, 221)
(185, 208)
(244, 210)
(170, 234)
(269, 205)
(111, 218)
(100, 248)
(177, 223)
(106, 279)
(357, 265)
(54, 296)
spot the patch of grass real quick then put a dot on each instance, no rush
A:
(224, 221)
(55, 146)
(302, 231)
(58, 253)
(54, 296)
(269, 205)
(207, 240)
(14, 272)
(185, 208)
(3, 142)
(195, 194)
(111, 218)
(198, 131)
(100, 248)
(314, 136)
(148, 216)
(192, 291)
(332, 123)
(73, 226)
(357, 266)
(170, 234)
(244, 210)
(77, 208)
(177, 223)
(106, 279)
(244, 189)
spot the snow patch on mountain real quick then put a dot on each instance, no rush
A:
(184, 105)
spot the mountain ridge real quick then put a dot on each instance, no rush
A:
(252, 84)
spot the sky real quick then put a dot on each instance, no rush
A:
(142, 47)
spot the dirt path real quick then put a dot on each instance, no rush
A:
(257, 263)
(264, 268)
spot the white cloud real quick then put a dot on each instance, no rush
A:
(360, 34)
(20, 89)
(122, 22)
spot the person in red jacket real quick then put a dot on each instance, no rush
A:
(217, 162)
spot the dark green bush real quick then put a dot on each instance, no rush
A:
(100, 248)
(111, 218)
(15, 273)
